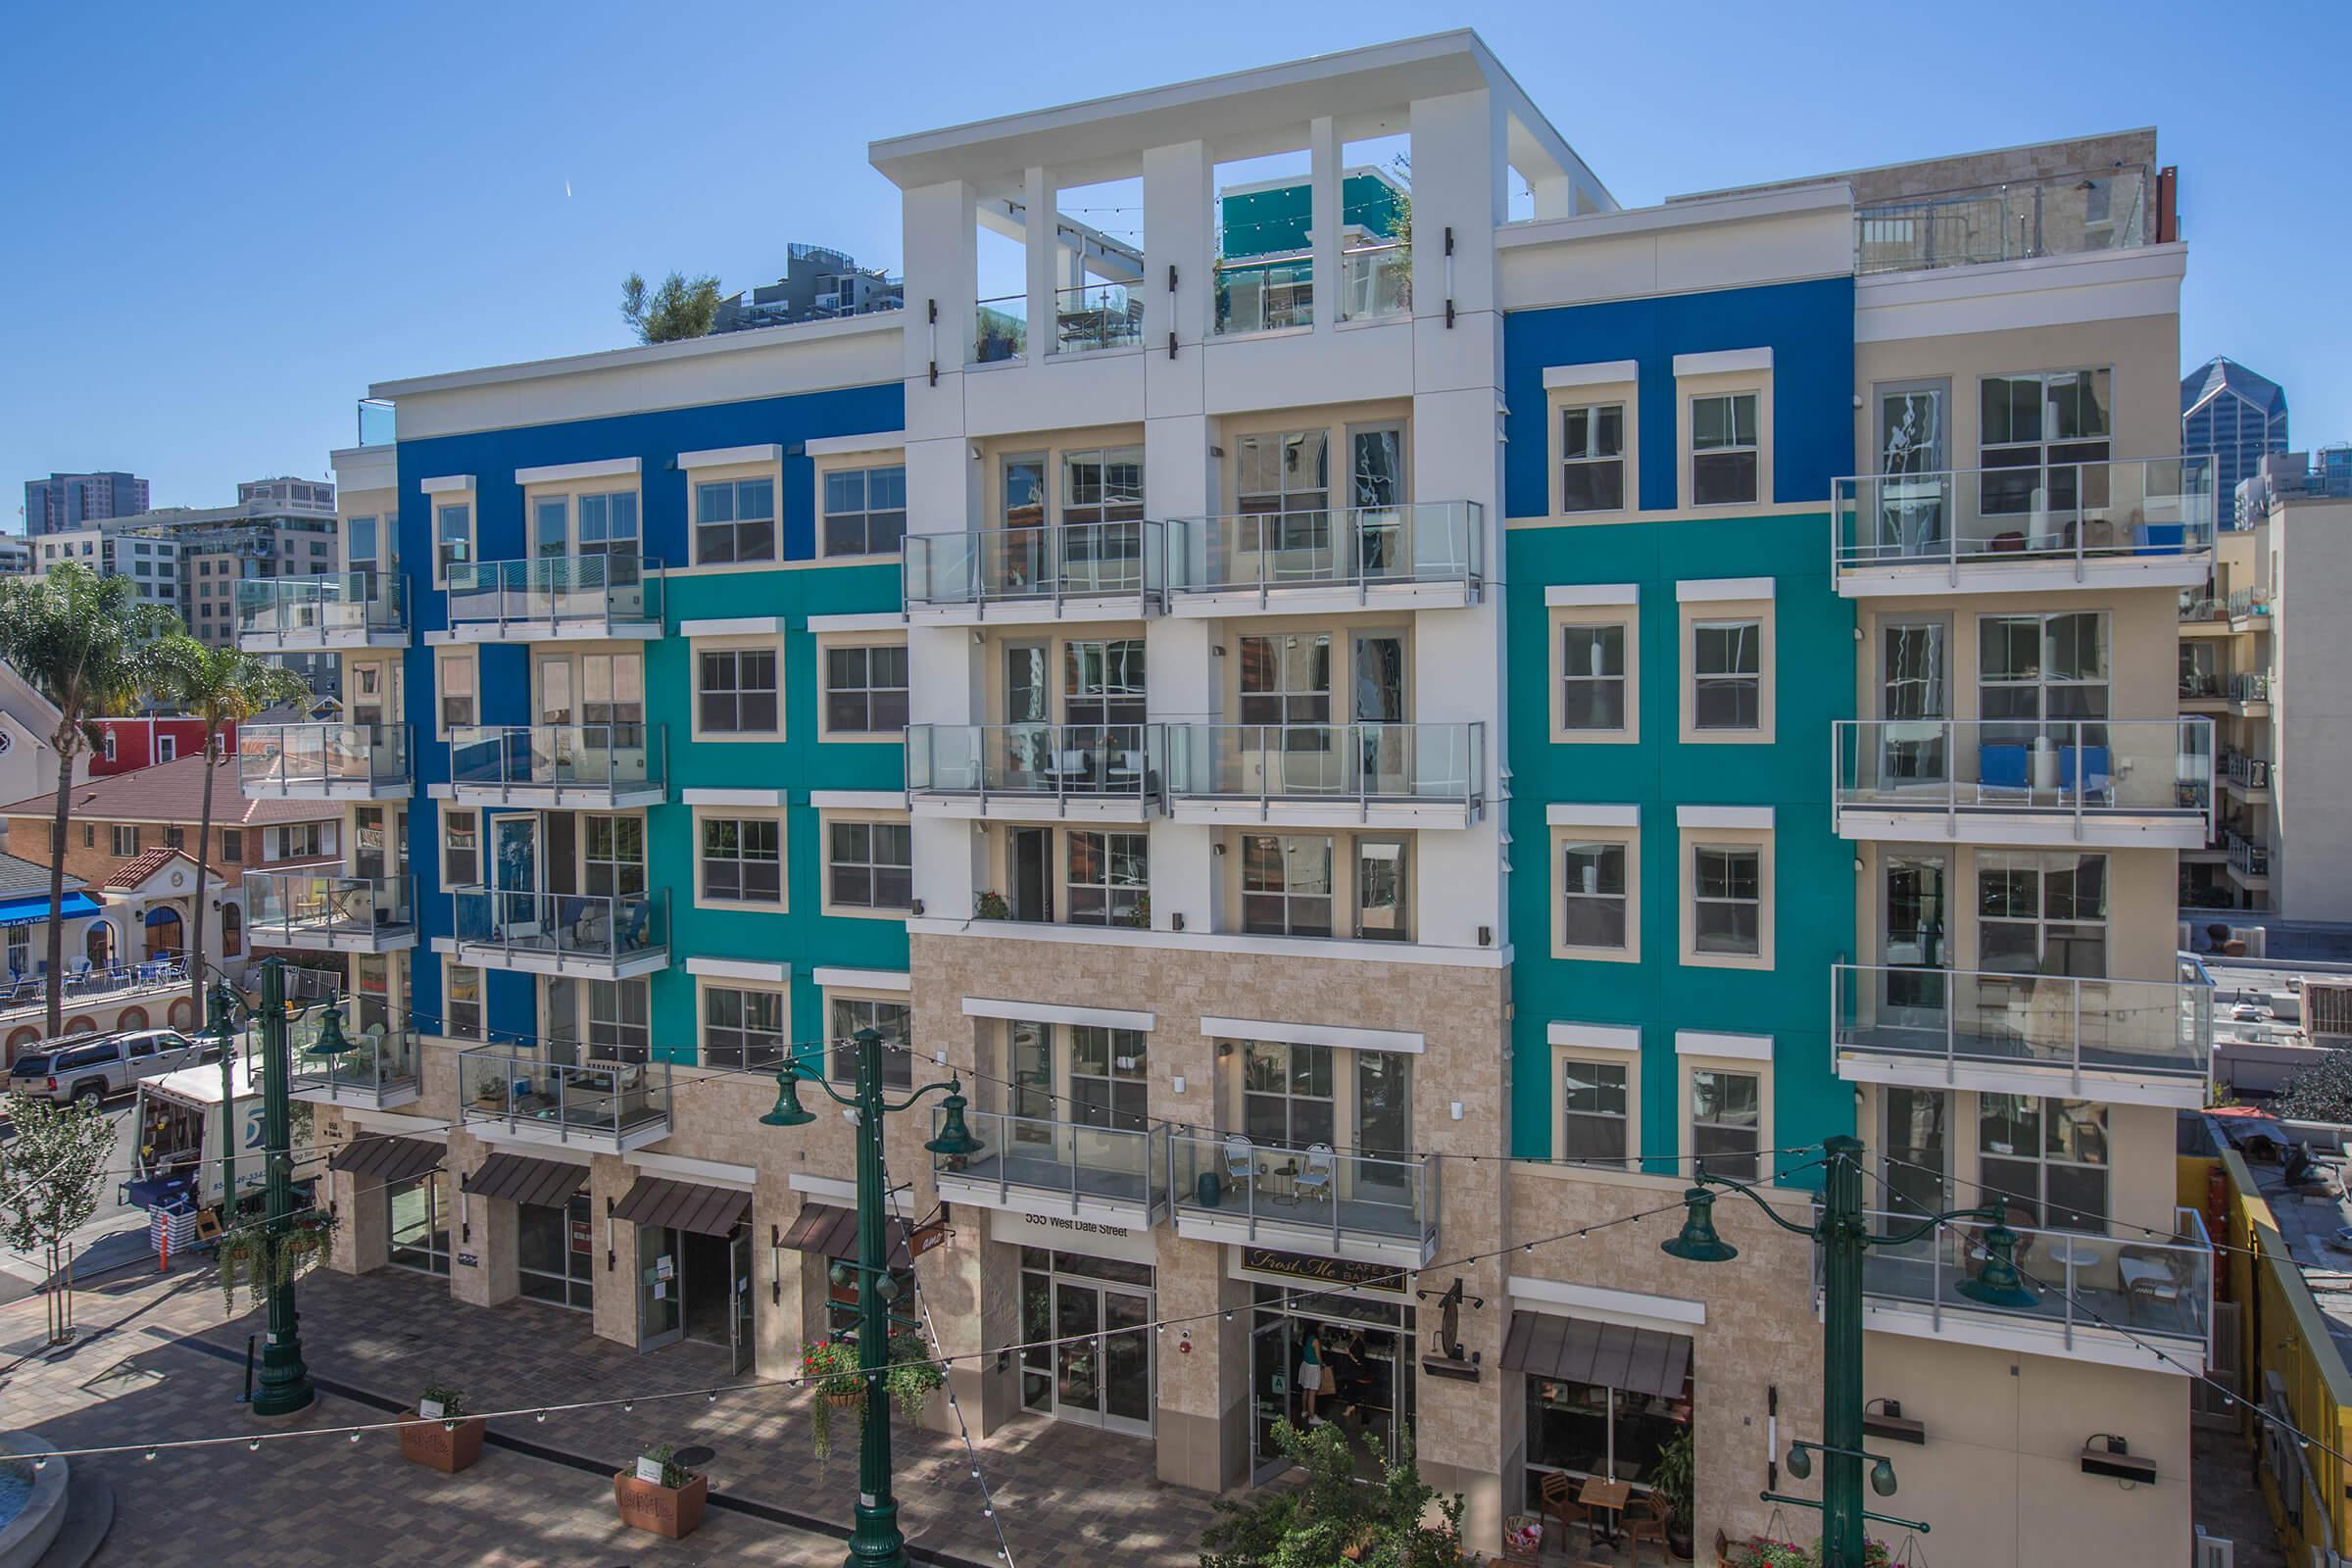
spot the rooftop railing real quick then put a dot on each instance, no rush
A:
(1376, 280)
(291, 609)
(592, 1101)
(1364, 763)
(1266, 296)
(1095, 761)
(1269, 552)
(2033, 513)
(1048, 563)
(571, 592)
(1000, 329)
(2061, 214)
(616, 758)
(320, 759)
(2066, 1023)
(1098, 315)
(2085, 767)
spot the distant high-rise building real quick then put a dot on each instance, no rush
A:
(2237, 416)
(75, 500)
(819, 283)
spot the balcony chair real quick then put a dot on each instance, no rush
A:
(2152, 1274)
(1315, 1174)
(1559, 1502)
(2095, 765)
(2004, 770)
(1645, 1520)
(1241, 1159)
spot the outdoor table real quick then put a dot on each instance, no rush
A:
(1609, 1497)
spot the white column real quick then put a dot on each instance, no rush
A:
(1042, 241)
(1323, 234)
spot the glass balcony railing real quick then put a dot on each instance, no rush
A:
(1098, 761)
(530, 596)
(327, 909)
(1098, 315)
(2246, 603)
(1068, 1163)
(588, 1100)
(296, 612)
(2061, 214)
(1376, 280)
(2081, 1282)
(1303, 1196)
(585, 928)
(2040, 512)
(2159, 766)
(376, 423)
(321, 760)
(382, 1061)
(1000, 329)
(2198, 608)
(1265, 295)
(1364, 763)
(1051, 562)
(595, 759)
(2150, 1028)
(1337, 546)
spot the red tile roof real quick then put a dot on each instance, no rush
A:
(130, 873)
(174, 792)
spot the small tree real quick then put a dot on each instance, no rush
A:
(1333, 1521)
(682, 308)
(49, 1179)
(2320, 1092)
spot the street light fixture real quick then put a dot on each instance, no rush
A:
(1843, 1233)
(875, 1540)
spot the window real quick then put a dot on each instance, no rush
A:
(461, 994)
(1283, 489)
(455, 675)
(1109, 877)
(865, 511)
(1588, 1429)
(452, 539)
(2035, 428)
(1592, 676)
(90, 836)
(19, 950)
(1287, 1094)
(1727, 1121)
(167, 747)
(742, 1028)
(1593, 458)
(743, 860)
(233, 843)
(1593, 896)
(1594, 1120)
(107, 742)
(737, 692)
(1723, 449)
(175, 838)
(609, 529)
(416, 1227)
(612, 864)
(1108, 1078)
(125, 841)
(2042, 914)
(1728, 896)
(555, 1251)
(735, 520)
(1727, 669)
(619, 1020)
(890, 1019)
(460, 849)
(2048, 1156)
(1104, 684)
(866, 690)
(2034, 670)
(302, 840)
(1286, 679)
(1286, 885)
(871, 866)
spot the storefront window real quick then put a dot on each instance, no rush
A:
(1588, 1429)
(419, 1228)
(1100, 1371)
(555, 1253)
(1364, 1383)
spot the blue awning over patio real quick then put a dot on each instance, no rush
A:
(29, 910)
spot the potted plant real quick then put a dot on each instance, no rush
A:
(1672, 1481)
(662, 1496)
(438, 1433)
(830, 1367)
(913, 1376)
(1139, 915)
(991, 905)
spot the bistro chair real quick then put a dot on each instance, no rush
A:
(1316, 1173)
(1559, 1502)
(1240, 1158)
(1644, 1519)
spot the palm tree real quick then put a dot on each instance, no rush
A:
(220, 686)
(91, 644)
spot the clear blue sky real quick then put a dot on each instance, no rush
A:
(223, 222)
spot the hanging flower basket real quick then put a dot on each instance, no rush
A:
(830, 1367)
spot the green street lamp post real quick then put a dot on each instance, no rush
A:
(875, 1540)
(284, 1385)
(1843, 1233)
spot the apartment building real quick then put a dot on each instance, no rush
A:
(65, 502)
(1373, 727)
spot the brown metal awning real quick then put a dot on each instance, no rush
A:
(1574, 1351)
(683, 1207)
(523, 1180)
(394, 1160)
(833, 1233)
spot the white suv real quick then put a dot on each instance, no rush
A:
(92, 1069)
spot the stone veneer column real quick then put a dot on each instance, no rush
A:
(973, 1287)
(486, 1234)
(1203, 1414)
(360, 1239)
(776, 1290)
(614, 1316)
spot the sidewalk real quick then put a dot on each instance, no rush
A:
(1067, 1495)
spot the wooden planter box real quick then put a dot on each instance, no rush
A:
(433, 1444)
(667, 1512)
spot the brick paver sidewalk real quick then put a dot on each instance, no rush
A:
(1067, 1495)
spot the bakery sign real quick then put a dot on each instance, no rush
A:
(1333, 1271)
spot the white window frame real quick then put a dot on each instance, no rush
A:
(120, 834)
(1695, 613)
(1758, 839)
(704, 898)
(734, 521)
(701, 648)
(865, 465)
(443, 660)
(830, 643)
(1564, 1060)
(1629, 841)
(827, 822)
(442, 559)
(1592, 408)
(449, 878)
(839, 1063)
(707, 987)
(449, 1003)
(1761, 1072)
(1753, 448)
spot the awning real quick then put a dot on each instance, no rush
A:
(35, 909)
(1574, 1351)
(523, 1180)
(394, 1160)
(833, 1233)
(683, 1207)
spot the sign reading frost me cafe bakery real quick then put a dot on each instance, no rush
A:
(1265, 1262)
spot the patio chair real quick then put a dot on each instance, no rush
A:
(1559, 1502)
(2003, 771)
(1316, 1173)
(1645, 1516)
(2151, 1274)
(2093, 764)
(1240, 1158)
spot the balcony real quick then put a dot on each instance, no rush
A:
(1038, 1165)
(559, 766)
(1426, 554)
(1328, 775)
(2202, 617)
(329, 912)
(2249, 609)
(2246, 777)
(556, 598)
(2120, 783)
(1090, 317)
(2202, 691)
(2249, 861)
(1058, 571)
(2047, 527)
(2062, 215)
(562, 933)
(2249, 694)
(999, 329)
(1334, 1204)
(310, 615)
(1376, 280)
(324, 761)
(1109, 772)
(2130, 1041)
(609, 1106)
(378, 1073)
(1266, 294)
(2097, 1297)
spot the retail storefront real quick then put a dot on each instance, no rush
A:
(1602, 1398)
(1093, 1289)
(694, 1264)
(1330, 1341)
(554, 1242)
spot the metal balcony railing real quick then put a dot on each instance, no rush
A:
(317, 761)
(587, 929)
(2064, 1023)
(2060, 214)
(1271, 552)
(2082, 767)
(1364, 763)
(2245, 604)
(2248, 687)
(1051, 562)
(591, 1101)
(2038, 512)
(382, 1061)
(1071, 1165)
(2246, 773)
(613, 758)
(1098, 315)
(1376, 278)
(297, 909)
(295, 610)
(1283, 1192)
(1095, 761)
(2246, 855)
(569, 593)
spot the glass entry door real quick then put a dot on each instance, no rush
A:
(1914, 1148)
(1912, 513)
(1382, 1123)
(1915, 915)
(1914, 704)
(661, 1282)
(1102, 1368)
(1270, 1395)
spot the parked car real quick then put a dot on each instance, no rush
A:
(74, 1070)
